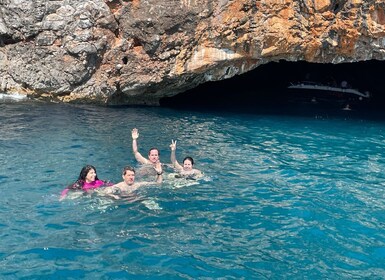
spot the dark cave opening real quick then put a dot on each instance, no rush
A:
(265, 88)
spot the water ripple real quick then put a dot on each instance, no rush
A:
(282, 198)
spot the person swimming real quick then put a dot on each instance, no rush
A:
(127, 186)
(186, 171)
(88, 180)
(151, 166)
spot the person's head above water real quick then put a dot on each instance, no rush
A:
(128, 168)
(153, 155)
(128, 175)
(188, 163)
(88, 174)
(187, 167)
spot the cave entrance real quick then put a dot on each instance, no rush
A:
(266, 87)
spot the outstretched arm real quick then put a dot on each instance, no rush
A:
(63, 194)
(138, 156)
(174, 162)
(112, 191)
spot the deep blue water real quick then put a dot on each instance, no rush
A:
(284, 196)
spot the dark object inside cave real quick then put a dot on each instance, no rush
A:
(265, 88)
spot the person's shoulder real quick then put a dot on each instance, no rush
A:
(194, 172)
(197, 173)
(118, 185)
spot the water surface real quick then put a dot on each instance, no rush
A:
(284, 196)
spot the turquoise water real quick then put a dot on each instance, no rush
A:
(284, 196)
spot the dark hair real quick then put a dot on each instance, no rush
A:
(78, 185)
(190, 159)
(84, 172)
(153, 148)
(127, 168)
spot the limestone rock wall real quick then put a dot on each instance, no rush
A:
(136, 52)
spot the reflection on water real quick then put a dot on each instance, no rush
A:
(283, 196)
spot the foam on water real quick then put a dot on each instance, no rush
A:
(12, 97)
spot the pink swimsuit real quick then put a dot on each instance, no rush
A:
(88, 186)
(93, 185)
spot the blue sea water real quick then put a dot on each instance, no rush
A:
(285, 196)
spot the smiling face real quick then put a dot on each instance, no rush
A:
(187, 165)
(91, 175)
(153, 156)
(129, 177)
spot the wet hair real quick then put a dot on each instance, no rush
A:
(127, 168)
(190, 159)
(84, 172)
(78, 185)
(153, 148)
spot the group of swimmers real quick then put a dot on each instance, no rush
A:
(151, 166)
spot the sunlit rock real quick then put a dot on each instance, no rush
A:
(136, 52)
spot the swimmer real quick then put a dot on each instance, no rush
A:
(88, 180)
(128, 185)
(153, 165)
(187, 170)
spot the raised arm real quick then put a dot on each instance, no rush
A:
(174, 162)
(138, 156)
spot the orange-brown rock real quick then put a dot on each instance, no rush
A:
(136, 52)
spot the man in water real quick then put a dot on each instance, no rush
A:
(128, 185)
(152, 165)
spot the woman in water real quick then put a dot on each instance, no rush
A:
(87, 180)
(187, 170)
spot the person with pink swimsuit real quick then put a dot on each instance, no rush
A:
(88, 180)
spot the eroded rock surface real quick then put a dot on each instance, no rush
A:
(136, 52)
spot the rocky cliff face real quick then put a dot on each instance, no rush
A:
(136, 52)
